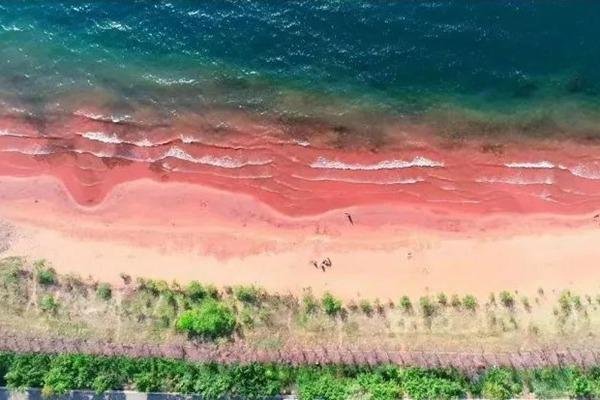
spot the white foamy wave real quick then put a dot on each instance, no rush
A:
(517, 181)
(418, 161)
(222, 162)
(34, 151)
(586, 171)
(4, 132)
(303, 143)
(532, 165)
(11, 28)
(102, 117)
(169, 82)
(405, 181)
(112, 138)
(102, 137)
(113, 25)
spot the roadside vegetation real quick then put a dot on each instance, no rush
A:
(38, 302)
(57, 374)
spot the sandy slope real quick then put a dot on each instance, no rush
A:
(184, 232)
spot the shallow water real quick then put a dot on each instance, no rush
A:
(468, 66)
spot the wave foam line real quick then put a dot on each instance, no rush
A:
(407, 181)
(517, 181)
(418, 161)
(531, 165)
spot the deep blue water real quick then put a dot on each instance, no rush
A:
(479, 60)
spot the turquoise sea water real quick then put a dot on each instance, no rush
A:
(533, 66)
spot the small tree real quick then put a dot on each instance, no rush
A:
(427, 307)
(405, 304)
(442, 299)
(248, 294)
(210, 320)
(470, 302)
(507, 299)
(104, 291)
(366, 307)
(44, 275)
(331, 305)
(195, 291)
(455, 301)
(310, 303)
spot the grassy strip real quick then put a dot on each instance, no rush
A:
(57, 374)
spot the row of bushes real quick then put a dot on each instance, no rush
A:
(57, 374)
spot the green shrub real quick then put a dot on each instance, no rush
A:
(49, 304)
(422, 384)
(428, 308)
(11, 269)
(552, 383)
(470, 302)
(27, 371)
(210, 320)
(44, 275)
(310, 303)
(455, 301)
(501, 384)
(366, 307)
(507, 299)
(248, 294)
(442, 299)
(67, 372)
(319, 385)
(6, 360)
(405, 304)
(331, 305)
(195, 291)
(104, 291)
(375, 386)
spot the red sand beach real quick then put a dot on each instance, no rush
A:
(243, 201)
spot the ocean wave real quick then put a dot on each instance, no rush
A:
(531, 165)
(102, 137)
(169, 82)
(418, 161)
(405, 181)
(112, 138)
(104, 118)
(586, 171)
(34, 151)
(222, 162)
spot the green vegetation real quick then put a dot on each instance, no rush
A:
(210, 320)
(57, 374)
(45, 275)
(427, 307)
(442, 299)
(455, 301)
(156, 311)
(405, 304)
(366, 307)
(470, 302)
(331, 305)
(507, 299)
(49, 304)
(248, 294)
(104, 291)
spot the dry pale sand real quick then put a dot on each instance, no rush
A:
(182, 233)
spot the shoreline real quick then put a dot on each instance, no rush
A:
(233, 239)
